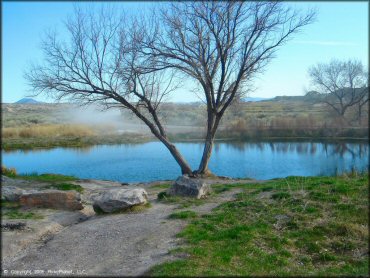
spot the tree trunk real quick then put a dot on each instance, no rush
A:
(208, 145)
(161, 135)
(359, 114)
(213, 122)
(185, 168)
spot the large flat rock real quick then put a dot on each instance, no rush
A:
(119, 199)
(66, 200)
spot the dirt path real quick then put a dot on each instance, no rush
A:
(112, 245)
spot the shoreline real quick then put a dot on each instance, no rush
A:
(15, 144)
(169, 236)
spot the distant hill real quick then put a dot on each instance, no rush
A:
(28, 101)
(316, 97)
(288, 98)
(311, 97)
(254, 99)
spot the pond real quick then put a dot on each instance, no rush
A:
(152, 161)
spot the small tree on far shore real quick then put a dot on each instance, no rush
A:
(341, 84)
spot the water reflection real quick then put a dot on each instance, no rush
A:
(82, 150)
(330, 149)
(152, 161)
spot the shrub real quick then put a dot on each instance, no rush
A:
(162, 195)
(9, 172)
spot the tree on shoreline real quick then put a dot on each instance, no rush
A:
(100, 65)
(222, 46)
(128, 63)
(341, 85)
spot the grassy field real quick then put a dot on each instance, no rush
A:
(305, 226)
(9, 144)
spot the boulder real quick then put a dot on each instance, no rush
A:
(56, 199)
(11, 193)
(119, 199)
(189, 187)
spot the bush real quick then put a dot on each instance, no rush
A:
(9, 172)
(162, 195)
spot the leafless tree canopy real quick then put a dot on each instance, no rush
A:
(222, 45)
(115, 61)
(342, 84)
(100, 63)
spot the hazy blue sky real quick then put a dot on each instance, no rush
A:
(341, 31)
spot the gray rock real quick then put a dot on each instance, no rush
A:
(119, 199)
(11, 193)
(5, 179)
(190, 187)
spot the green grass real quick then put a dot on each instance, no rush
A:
(12, 210)
(46, 177)
(56, 181)
(67, 186)
(17, 214)
(186, 214)
(298, 226)
(219, 188)
(182, 202)
(9, 205)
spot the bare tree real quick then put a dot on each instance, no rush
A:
(101, 64)
(221, 45)
(342, 84)
(361, 104)
(364, 101)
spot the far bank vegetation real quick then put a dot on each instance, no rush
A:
(46, 125)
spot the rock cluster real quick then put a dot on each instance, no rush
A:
(104, 197)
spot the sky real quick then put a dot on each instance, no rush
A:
(340, 31)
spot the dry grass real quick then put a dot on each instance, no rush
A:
(51, 130)
(9, 172)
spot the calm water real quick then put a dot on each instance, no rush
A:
(152, 161)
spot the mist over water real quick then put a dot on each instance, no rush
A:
(94, 115)
(120, 120)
